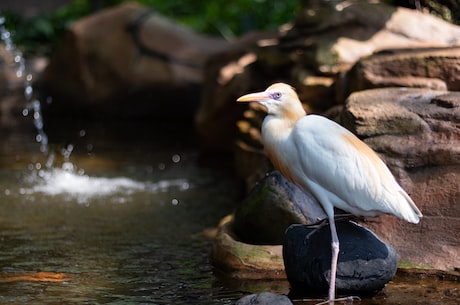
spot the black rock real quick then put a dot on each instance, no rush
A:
(365, 262)
(264, 298)
(271, 207)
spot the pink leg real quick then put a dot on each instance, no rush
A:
(335, 256)
(334, 259)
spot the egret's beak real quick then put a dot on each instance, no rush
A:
(254, 97)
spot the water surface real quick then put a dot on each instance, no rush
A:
(119, 217)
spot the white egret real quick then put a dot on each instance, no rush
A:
(327, 160)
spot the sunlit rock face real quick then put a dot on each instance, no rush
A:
(130, 61)
(314, 54)
(416, 132)
(432, 68)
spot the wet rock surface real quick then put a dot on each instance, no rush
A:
(241, 260)
(365, 262)
(269, 209)
(264, 298)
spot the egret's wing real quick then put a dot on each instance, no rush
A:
(335, 159)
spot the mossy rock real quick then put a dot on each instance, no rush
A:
(241, 260)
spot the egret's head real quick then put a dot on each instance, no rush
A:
(280, 100)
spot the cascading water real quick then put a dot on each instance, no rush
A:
(32, 104)
(68, 179)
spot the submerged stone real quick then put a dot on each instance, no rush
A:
(264, 298)
(364, 266)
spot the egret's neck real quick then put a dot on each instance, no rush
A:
(292, 114)
(276, 137)
(276, 129)
(278, 124)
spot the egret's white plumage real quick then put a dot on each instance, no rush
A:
(322, 157)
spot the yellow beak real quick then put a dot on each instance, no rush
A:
(254, 97)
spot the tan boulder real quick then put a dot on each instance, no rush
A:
(129, 51)
(416, 132)
(314, 53)
(433, 68)
(346, 32)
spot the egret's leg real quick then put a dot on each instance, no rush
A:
(334, 260)
(335, 256)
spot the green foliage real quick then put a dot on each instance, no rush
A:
(38, 34)
(229, 19)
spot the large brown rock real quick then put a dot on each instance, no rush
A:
(313, 55)
(433, 68)
(346, 32)
(130, 53)
(416, 132)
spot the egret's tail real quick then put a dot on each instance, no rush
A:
(411, 213)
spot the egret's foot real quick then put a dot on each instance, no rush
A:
(338, 217)
(346, 300)
(316, 226)
(347, 216)
(319, 224)
(325, 221)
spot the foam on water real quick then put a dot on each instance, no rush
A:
(83, 188)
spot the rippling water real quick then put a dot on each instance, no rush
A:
(124, 227)
(120, 221)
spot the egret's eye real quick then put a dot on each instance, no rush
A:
(276, 95)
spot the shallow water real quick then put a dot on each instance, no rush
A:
(120, 221)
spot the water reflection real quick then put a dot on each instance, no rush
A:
(135, 239)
